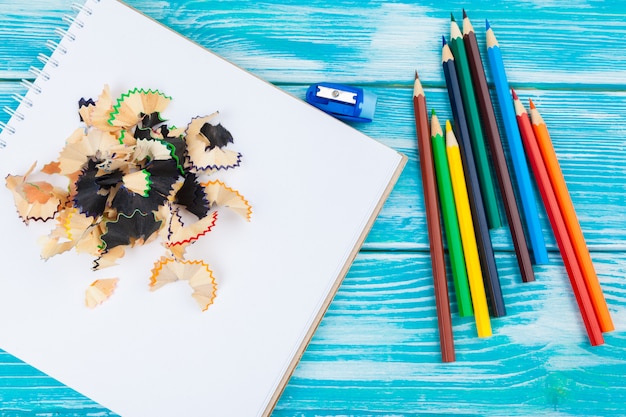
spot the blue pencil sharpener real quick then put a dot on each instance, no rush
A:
(351, 104)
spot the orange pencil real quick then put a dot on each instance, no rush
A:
(563, 240)
(571, 220)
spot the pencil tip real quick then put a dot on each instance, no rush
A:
(532, 105)
(452, 17)
(443, 40)
(432, 112)
(416, 76)
(448, 126)
(514, 95)
(464, 14)
(487, 25)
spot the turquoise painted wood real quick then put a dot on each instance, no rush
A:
(376, 350)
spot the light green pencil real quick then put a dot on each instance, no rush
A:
(473, 123)
(450, 219)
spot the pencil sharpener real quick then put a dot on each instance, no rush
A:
(351, 104)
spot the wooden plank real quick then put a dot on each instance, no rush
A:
(300, 42)
(376, 351)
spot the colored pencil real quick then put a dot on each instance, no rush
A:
(487, 187)
(483, 239)
(450, 219)
(488, 116)
(433, 220)
(571, 220)
(520, 165)
(468, 237)
(558, 224)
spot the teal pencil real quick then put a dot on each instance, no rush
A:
(520, 164)
(485, 178)
(450, 219)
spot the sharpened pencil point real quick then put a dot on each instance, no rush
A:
(432, 112)
(464, 14)
(418, 90)
(452, 17)
(448, 126)
(443, 41)
(532, 105)
(514, 95)
(487, 25)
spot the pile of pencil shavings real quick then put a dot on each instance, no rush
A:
(131, 178)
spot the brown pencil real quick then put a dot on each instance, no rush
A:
(488, 118)
(433, 220)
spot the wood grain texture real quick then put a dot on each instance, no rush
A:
(296, 41)
(376, 352)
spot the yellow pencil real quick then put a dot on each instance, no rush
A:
(468, 237)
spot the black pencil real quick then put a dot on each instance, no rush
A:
(492, 133)
(483, 239)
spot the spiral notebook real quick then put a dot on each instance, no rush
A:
(314, 185)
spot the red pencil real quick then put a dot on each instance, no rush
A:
(571, 220)
(433, 221)
(558, 224)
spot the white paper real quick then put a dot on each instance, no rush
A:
(312, 181)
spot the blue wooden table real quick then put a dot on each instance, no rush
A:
(376, 352)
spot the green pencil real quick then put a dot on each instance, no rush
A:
(450, 219)
(475, 129)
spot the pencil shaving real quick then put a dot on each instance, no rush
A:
(206, 145)
(99, 291)
(181, 236)
(38, 200)
(220, 194)
(196, 273)
(134, 105)
(130, 179)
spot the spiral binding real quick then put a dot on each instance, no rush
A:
(41, 75)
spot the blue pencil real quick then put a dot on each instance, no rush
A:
(520, 165)
(479, 216)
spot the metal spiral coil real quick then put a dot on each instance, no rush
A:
(13, 113)
(45, 59)
(42, 76)
(22, 99)
(38, 73)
